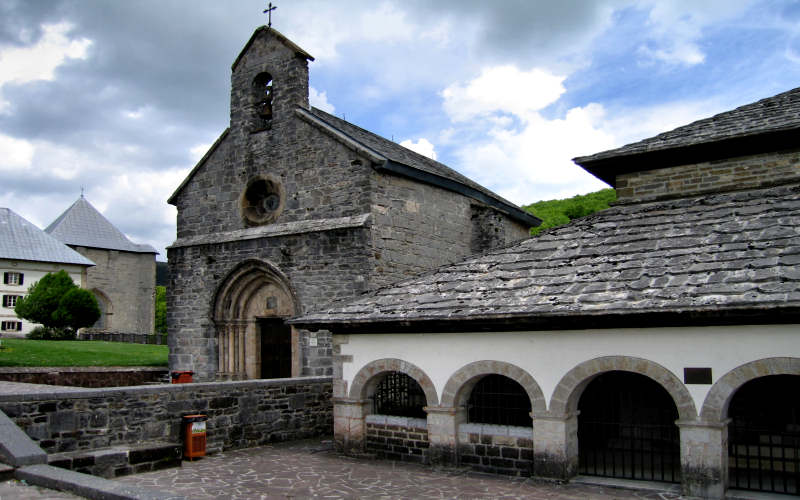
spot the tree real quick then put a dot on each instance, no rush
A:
(76, 309)
(57, 302)
(559, 212)
(161, 309)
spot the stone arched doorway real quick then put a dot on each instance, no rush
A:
(756, 406)
(250, 312)
(106, 310)
(565, 405)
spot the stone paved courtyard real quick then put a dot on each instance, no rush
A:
(310, 469)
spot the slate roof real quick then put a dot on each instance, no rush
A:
(718, 255)
(401, 155)
(736, 132)
(21, 240)
(82, 225)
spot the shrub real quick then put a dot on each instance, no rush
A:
(45, 333)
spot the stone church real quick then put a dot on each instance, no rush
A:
(293, 209)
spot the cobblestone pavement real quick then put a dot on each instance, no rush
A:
(310, 469)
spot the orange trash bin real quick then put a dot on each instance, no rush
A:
(182, 376)
(194, 431)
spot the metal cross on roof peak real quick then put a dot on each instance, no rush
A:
(268, 11)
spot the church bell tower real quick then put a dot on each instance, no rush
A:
(269, 80)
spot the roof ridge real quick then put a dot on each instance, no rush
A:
(83, 225)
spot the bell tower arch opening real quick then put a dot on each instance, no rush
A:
(253, 339)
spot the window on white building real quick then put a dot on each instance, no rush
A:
(12, 278)
(11, 326)
(10, 300)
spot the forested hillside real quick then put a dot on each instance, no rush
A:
(559, 212)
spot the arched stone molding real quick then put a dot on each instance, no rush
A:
(254, 290)
(458, 388)
(715, 406)
(242, 280)
(368, 377)
(569, 389)
(106, 309)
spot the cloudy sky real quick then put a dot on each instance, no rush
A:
(121, 98)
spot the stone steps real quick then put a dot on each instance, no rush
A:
(6, 472)
(120, 460)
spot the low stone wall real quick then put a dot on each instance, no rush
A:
(498, 449)
(114, 376)
(131, 338)
(398, 438)
(240, 414)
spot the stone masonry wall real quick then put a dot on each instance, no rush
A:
(240, 414)
(319, 178)
(128, 280)
(736, 173)
(496, 449)
(397, 438)
(418, 227)
(321, 267)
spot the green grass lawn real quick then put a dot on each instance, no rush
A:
(24, 352)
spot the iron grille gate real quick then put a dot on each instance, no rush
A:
(399, 395)
(496, 399)
(629, 451)
(765, 458)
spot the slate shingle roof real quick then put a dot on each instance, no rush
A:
(771, 124)
(400, 154)
(776, 113)
(21, 240)
(736, 251)
(82, 225)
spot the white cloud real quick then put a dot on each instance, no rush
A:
(502, 89)
(15, 154)
(320, 100)
(675, 28)
(39, 61)
(530, 158)
(423, 146)
(535, 162)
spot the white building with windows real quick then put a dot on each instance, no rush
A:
(26, 254)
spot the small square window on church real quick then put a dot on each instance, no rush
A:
(10, 300)
(12, 278)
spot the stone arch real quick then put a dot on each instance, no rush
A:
(458, 388)
(262, 96)
(106, 309)
(715, 406)
(254, 291)
(568, 391)
(370, 374)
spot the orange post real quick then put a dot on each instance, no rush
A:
(194, 431)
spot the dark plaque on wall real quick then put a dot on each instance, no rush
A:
(697, 375)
